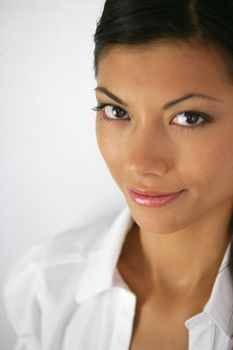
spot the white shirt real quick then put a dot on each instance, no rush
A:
(67, 294)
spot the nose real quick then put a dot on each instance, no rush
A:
(148, 152)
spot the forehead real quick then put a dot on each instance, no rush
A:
(163, 64)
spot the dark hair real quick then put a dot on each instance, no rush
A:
(135, 22)
(139, 22)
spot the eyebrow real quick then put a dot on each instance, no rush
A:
(166, 106)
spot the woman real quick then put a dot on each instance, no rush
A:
(160, 276)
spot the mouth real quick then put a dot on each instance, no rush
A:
(153, 199)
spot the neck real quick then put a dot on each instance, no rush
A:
(179, 260)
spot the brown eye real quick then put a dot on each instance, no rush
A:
(114, 112)
(189, 118)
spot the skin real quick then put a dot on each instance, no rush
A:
(176, 250)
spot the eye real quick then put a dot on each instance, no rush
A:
(188, 120)
(114, 112)
(111, 112)
(191, 118)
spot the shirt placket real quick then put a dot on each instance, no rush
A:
(124, 324)
(125, 314)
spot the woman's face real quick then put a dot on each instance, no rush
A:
(167, 149)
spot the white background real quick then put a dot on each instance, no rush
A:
(52, 175)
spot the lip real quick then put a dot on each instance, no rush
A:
(151, 193)
(151, 201)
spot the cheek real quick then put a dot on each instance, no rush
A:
(211, 169)
(222, 167)
(110, 146)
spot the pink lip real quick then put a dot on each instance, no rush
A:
(150, 193)
(151, 201)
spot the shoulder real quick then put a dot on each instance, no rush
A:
(76, 245)
(57, 261)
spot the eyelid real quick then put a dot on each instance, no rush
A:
(102, 105)
(203, 115)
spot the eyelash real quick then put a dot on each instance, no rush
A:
(206, 117)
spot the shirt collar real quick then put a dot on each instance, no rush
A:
(101, 275)
(220, 304)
